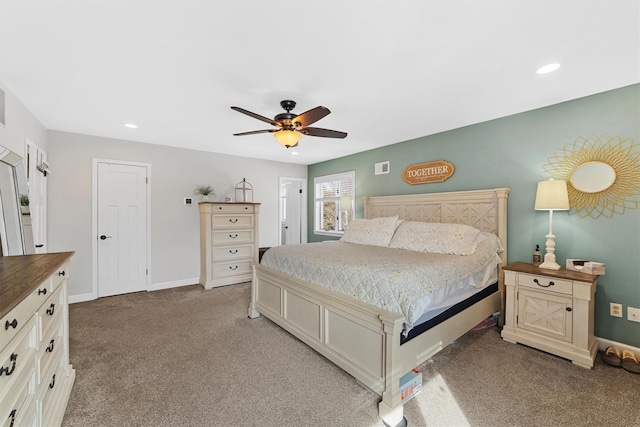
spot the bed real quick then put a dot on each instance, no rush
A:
(330, 321)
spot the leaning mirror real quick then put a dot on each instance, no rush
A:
(12, 189)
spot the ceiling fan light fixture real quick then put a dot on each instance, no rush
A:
(288, 138)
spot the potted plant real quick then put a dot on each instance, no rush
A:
(204, 191)
(24, 203)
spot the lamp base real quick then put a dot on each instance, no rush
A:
(549, 265)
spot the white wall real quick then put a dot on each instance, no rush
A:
(174, 227)
(19, 125)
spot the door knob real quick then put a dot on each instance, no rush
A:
(103, 237)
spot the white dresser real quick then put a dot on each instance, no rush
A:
(228, 242)
(36, 377)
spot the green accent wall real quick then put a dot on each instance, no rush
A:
(511, 152)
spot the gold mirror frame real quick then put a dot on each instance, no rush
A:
(611, 193)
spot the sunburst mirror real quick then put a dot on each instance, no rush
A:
(603, 175)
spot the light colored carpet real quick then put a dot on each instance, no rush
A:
(190, 357)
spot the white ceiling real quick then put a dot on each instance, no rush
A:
(388, 70)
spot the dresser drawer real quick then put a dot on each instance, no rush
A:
(232, 253)
(231, 221)
(232, 208)
(17, 318)
(52, 386)
(50, 351)
(50, 312)
(26, 416)
(232, 268)
(17, 357)
(59, 276)
(15, 408)
(232, 237)
(550, 284)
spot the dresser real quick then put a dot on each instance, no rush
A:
(36, 377)
(551, 310)
(228, 242)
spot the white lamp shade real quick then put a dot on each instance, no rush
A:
(552, 195)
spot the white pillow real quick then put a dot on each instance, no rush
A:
(374, 232)
(438, 238)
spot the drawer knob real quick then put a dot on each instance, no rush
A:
(49, 349)
(9, 371)
(233, 236)
(543, 286)
(52, 384)
(42, 291)
(233, 268)
(61, 273)
(233, 221)
(13, 324)
(51, 309)
(568, 308)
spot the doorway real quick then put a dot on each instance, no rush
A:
(120, 227)
(293, 211)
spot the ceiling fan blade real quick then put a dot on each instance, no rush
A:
(326, 133)
(253, 132)
(255, 116)
(311, 116)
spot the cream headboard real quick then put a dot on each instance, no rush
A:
(485, 210)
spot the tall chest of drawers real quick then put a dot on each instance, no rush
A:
(228, 242)
(36, 377)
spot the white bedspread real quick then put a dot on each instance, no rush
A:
(397, 280)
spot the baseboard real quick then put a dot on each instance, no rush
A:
(604, 343)
(154, 287)
(82, 298)
(174, 284)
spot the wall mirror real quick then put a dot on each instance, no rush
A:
(603, 173)
(592, 177)
(14, 236)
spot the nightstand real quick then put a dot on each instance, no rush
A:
(551, 310)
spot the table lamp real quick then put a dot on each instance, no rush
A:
(551, 196)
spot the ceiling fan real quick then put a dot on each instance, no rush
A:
(290, 126)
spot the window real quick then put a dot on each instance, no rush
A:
(330, 217)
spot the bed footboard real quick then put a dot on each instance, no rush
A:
(327, 322)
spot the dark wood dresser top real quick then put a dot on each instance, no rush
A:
(21, 274)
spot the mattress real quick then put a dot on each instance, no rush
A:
(404, 282)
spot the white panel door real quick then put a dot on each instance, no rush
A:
(293, 208)
(122, 228)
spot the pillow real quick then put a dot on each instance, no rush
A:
(373, 232)
(438, 238)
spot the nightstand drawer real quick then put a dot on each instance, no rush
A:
(551, 284)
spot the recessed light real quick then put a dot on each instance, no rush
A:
(548, 68)
(131, 126)
(294, 153)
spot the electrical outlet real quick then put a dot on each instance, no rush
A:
(633, 314)
(616, 309)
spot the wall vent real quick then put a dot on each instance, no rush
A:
(382, 168)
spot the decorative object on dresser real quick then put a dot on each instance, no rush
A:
(244, 192)
(35, 375)
(551, 310)
(204, 191)
(551, 196)
(228, 242)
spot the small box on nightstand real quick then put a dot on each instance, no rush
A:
(584, 266)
